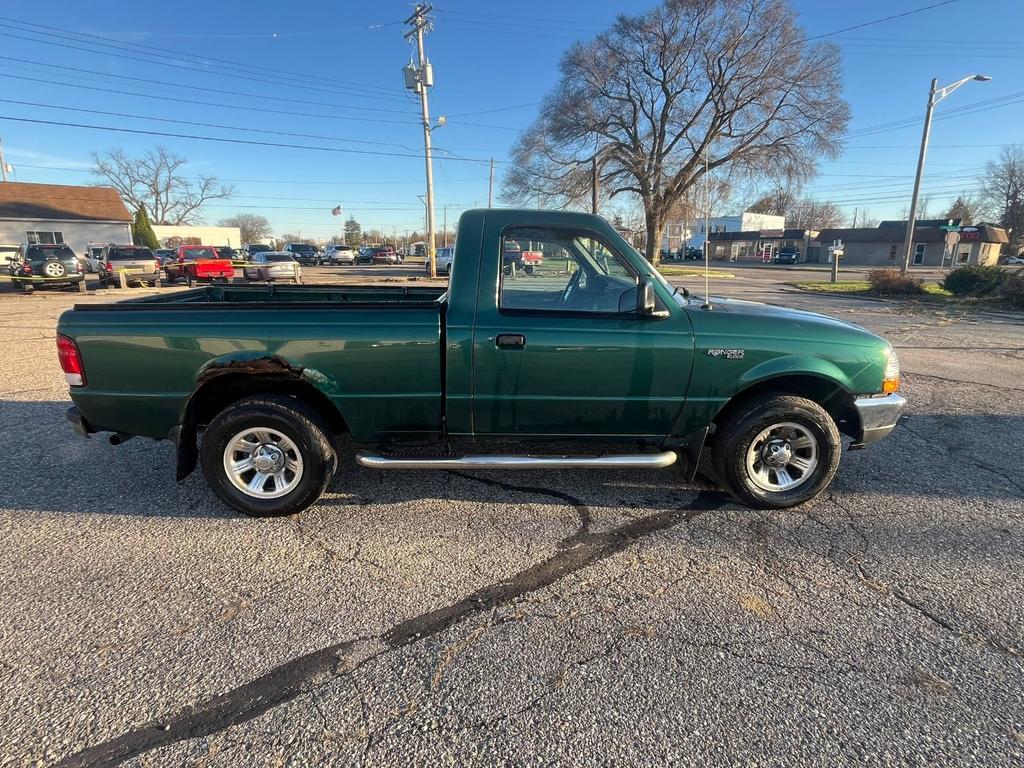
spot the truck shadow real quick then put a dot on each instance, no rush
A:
(935, 456)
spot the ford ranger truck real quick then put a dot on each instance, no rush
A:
(592, 348)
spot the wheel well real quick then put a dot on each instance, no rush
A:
(221, 391)
(829, 395)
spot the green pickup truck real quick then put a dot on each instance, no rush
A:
(592, 347)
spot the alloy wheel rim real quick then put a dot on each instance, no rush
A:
(54, 269)
(782, 457)
(263, 462)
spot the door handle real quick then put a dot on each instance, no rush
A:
(510, 341)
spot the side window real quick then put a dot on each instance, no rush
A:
(563, 270)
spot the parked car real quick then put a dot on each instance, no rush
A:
(165, 255)
(1015, 260)
(787, 254)
(304, 253)
(36, 265)
(606, 347)
(339, 253)
(270, 266)
(377, 254)
(251, 249)
(227, 252)
(694, 254)
(515, 258)
(199, 263)
(443, 258)
(93, 252)
(138, 263)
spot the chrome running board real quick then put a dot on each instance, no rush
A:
(627, 461)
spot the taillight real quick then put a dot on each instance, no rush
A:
(70, 361)
(26, 269)
(80, 267)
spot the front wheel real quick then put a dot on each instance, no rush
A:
(268, 455)
(776, 451)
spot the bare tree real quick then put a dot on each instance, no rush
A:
(254, 229)
(1003, 191)
(735, 80)
(966, 207)
(815, 214)
(156, 181)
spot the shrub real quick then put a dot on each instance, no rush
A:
(973, 280)
(1011, 290)
(892, 283)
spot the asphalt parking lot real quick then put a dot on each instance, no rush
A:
(570, 618)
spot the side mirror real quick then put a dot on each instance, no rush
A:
(647, 301)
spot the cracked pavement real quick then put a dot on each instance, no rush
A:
(484, 618)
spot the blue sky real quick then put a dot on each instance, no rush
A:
(331, 73)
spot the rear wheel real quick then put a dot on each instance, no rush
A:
(268, 455)
(777, 451)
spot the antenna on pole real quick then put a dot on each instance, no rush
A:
(707, 227)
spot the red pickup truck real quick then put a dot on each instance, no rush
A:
(199, 263)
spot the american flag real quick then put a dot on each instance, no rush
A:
(336, 211)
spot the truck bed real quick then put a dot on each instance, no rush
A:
(374, 351)
(239, 296)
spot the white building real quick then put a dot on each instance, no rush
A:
(745, 222)
(188, 235)
(58, 213)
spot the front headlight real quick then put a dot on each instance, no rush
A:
(891, 377)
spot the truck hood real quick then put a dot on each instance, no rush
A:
(776, 320)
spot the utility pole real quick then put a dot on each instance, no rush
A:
(593, 184)
(855, 209)
(935, 95)
(420, 79)
(490, 186)
(3, 163)
(445, 225)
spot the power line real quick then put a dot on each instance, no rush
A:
(166, 83)
(243, 72)
(161, 97)
(224, 140)
(267, 181)
(204, 125)
(883, 20)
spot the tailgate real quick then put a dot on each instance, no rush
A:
(214, 268)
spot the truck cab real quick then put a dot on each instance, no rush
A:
(591, 347)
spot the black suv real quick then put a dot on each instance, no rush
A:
(787, 254)
(304, 253)
(37, 265)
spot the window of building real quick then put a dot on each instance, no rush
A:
(892, 252)
(919, 252)
(563, 270)
(44, 238)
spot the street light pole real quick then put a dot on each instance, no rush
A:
(935, 95)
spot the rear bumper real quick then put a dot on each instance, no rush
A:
(878, 417)
(40, 280)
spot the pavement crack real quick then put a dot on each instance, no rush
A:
(305, 673)
(582, 510)
(984, 637)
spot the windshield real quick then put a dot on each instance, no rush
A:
(278, 257)
(259, 248)
(121, 254)
(199, 253)
(302, 248)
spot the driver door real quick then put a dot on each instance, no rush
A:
(563, 350)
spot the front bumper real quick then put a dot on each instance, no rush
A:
(878, 417)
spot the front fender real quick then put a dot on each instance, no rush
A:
(795, 365)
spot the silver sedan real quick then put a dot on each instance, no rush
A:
(272, 265)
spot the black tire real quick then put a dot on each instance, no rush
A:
(734, 438)
(294, 420)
